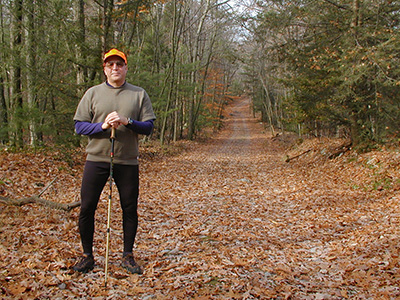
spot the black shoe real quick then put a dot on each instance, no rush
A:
(84, 264)
(129, 263)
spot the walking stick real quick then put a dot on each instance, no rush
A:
(112, 139)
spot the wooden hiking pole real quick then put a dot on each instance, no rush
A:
(112, 139)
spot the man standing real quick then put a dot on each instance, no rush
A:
(127, 108)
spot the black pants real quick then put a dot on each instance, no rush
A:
(95, 176)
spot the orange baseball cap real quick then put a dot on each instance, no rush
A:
(115, 52)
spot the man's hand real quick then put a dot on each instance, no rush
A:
(105, 126)
(114, 120)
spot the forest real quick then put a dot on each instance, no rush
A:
(272, 172)
(313, 67)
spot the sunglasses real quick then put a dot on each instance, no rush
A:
(118, 64)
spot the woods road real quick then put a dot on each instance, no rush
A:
(232, 219)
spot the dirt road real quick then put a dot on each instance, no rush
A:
(230, 219)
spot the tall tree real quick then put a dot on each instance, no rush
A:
(3, 104)
(31, 71)
(81, 57)
(108, 6)
(16, 99)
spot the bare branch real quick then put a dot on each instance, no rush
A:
(337, 5)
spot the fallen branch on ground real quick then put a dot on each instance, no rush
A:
(290, 158)
(342, 149)
(38, 200)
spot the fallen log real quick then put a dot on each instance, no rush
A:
(288, 159)
(38, 200)
(342, 149)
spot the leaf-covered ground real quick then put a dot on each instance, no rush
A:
(227, 218)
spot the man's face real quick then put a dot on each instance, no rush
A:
(115, 70)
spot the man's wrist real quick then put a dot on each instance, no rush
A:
(130, 121)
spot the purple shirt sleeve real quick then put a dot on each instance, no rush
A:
(87, 128)
(145, 127)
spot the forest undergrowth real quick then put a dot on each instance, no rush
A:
(225, 218)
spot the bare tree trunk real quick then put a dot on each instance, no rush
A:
(356, 14)
(267, 105)
(204, 78)
(81, 71)
(31, 72)
(355, 129)
(108, 6)
(16, 75)
(175, 39)
(3, 113)
(196, 57)
(134, 25)
(3, 103)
